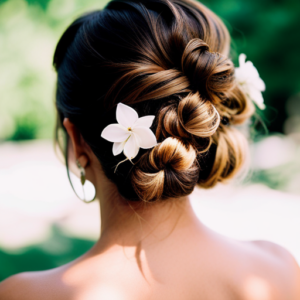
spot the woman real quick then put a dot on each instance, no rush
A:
(148, 99)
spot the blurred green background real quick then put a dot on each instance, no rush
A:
(266, 31)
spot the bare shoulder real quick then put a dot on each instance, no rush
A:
(31, 286)
(280, 258)
(16, 287)
(273, 273)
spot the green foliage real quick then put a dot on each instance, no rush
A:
(267, 31)
(29, 31)
(42, 3)
(58, 250)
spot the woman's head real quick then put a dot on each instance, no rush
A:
(163, 58)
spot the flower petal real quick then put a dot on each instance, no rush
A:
(145, 137)
(259, 84)
(115, 133)
(248, 78)
(126, 116)
(144, 121)
(242, 59)
(118, 148)
(250, 71)
(240, 75)
(131, 148)
(257, 97)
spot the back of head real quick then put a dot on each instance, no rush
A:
(167, 58)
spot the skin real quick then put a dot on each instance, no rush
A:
(158, 251)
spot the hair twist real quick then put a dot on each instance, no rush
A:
(169, 170)
(193, 119)
(230, 153)
(211, 73)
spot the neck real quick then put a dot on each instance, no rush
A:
(129, 224)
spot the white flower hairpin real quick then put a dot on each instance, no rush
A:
(131, 133)
(249, 81)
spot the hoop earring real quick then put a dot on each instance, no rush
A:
(88, 189)
(82, 188)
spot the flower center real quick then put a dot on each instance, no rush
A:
(129, 129)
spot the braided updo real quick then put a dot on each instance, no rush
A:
(167, 58)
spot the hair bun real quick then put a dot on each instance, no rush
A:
(169, 170)
(197, 116)
(191, 117)
(209, 72)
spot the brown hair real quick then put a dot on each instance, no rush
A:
(163, 57)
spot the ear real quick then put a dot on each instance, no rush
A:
(79, 146)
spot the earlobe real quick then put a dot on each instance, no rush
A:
(83, 160)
